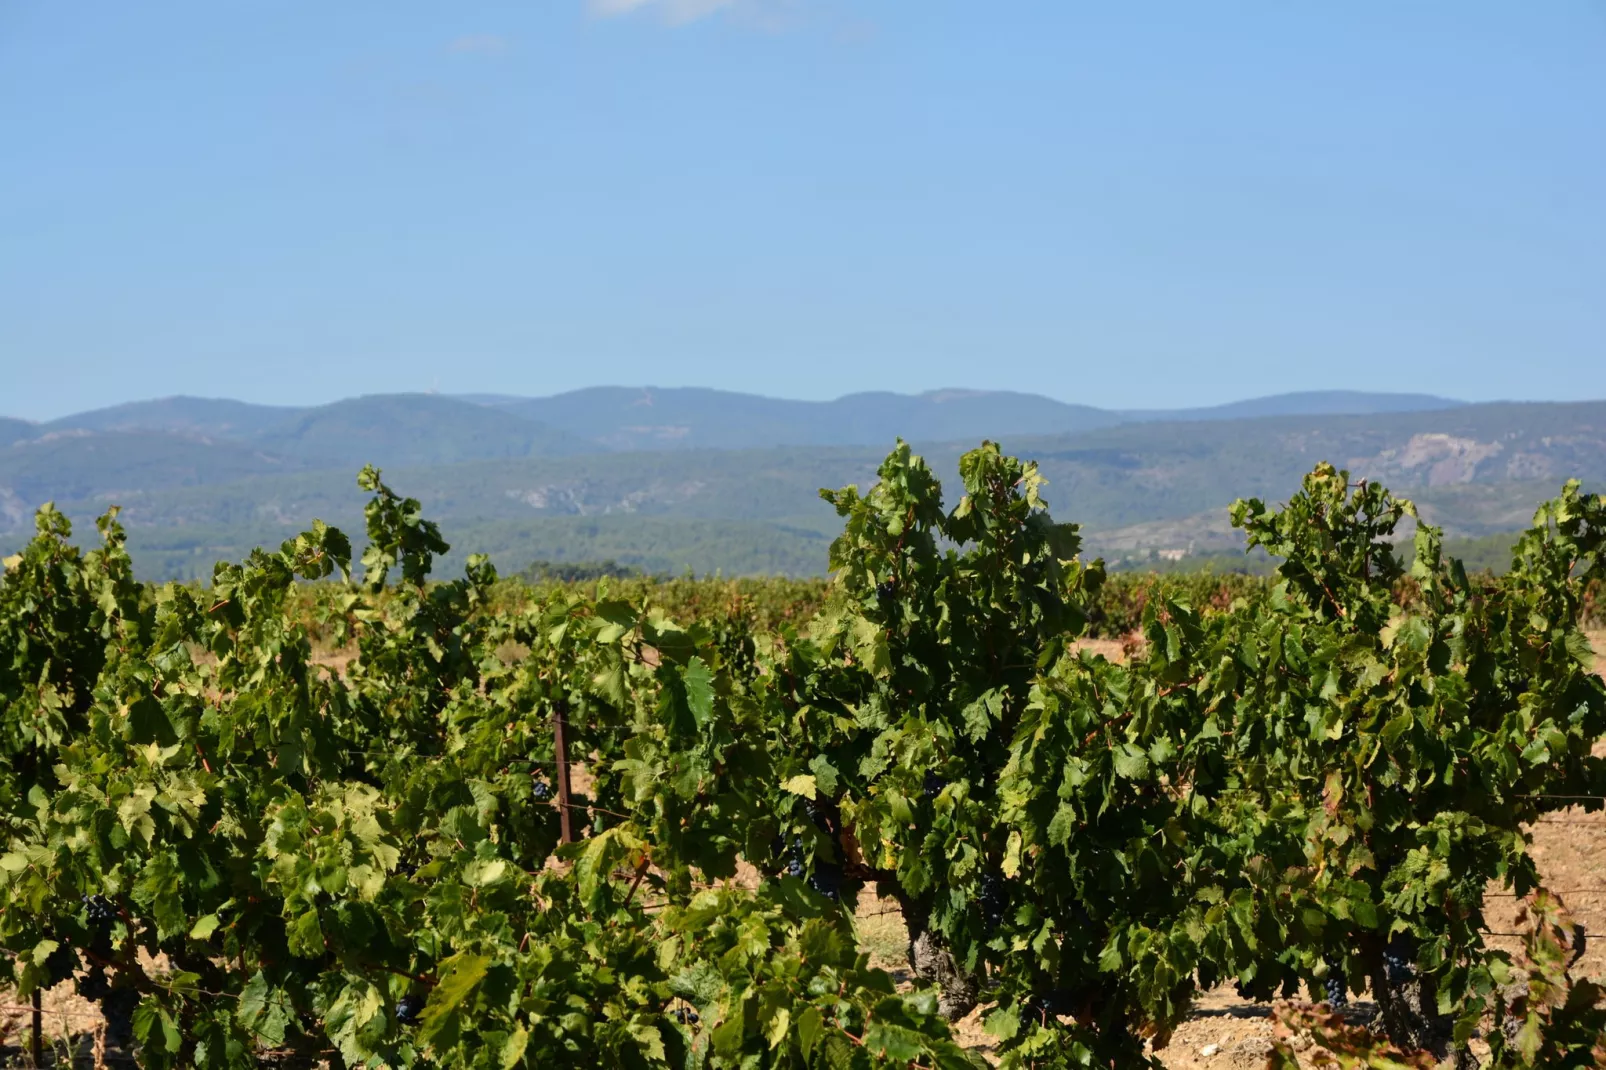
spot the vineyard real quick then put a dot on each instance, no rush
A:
(329, 810)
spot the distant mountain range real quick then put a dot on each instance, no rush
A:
(710, 480)
(434, 429)
(642, 419)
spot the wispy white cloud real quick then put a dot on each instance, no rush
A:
(674, 11)
(482, 44)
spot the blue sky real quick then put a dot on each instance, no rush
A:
(1135, 204)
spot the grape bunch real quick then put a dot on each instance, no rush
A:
(934, 785)
(541, 790)
(827, 880)
(1263, 988)
(994, 899)
(116, 1004)
(102, 912)
(408, 1008)
(117, 1007)
(93, 985)
(794, 858)
(1335, 987)
(885, 592)
(685, 1016)
(60, 965)
(1049, 1004)
(1399, 960)
(406, 869)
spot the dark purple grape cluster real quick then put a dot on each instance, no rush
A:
(794, 855)
(61, 964)
(685, 1016)
(1335, 987)
(406, 869)
(1049, 1004)
(827, 880)
(994, 899)
(117, 1007)
(408, 1008)
(541, 790)
(1399, 960)
(1265, 987)
(93, 985)
(116, 1004)
(885, 592)
(934, 785)
(102, 912)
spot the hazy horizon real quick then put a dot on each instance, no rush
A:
(477, 396)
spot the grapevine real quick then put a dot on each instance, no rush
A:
(1309, 781)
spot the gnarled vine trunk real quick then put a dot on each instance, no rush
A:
(1407, 1011)
(933, 962)
(1408, 1014)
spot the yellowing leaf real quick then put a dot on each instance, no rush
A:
(1011, 864)
(778, 1026)
(650, 1039)
(459, 975)
(668, 952)
(482, 872)
(803, 785)
(513, 1048)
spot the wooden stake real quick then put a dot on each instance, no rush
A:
(38, 1031)
(561, 749)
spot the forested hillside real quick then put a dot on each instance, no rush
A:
(229, 479)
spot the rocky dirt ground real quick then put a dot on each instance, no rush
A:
(67, 1020)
